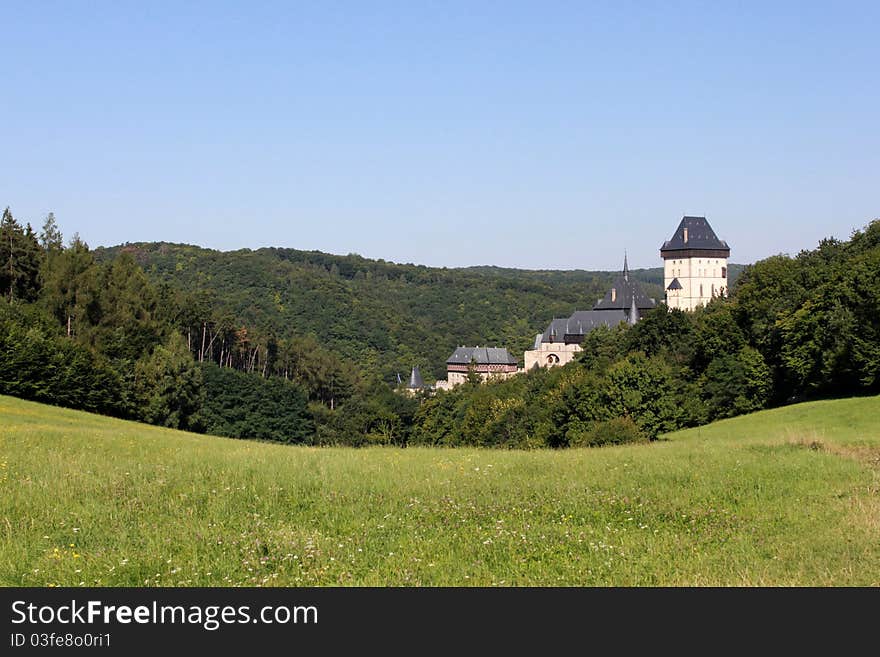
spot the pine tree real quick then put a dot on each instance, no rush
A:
(50, 237)
(122, 322)
(170, 385)
(70, 286)
(9, 273)
(19, 260)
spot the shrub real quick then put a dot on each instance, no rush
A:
(241, 405)
(616, 431)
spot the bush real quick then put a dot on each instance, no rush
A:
(734, 384)
(169, 384)
(241, 405)
(644, 389)
(616, 431)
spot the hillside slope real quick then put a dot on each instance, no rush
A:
(384, 316)
(783, 497)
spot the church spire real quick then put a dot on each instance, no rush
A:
(625, 267)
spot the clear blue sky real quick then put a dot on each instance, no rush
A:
(537, 135)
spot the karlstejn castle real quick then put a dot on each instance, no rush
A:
(694, 264)
(694, 271)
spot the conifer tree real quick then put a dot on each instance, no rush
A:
(19, 260)
(70, 286)
(50, 237)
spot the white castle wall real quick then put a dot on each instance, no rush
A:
(701, 279)
(551, 354)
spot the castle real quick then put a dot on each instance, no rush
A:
(561, 342)
(694, 264)
(694, 272)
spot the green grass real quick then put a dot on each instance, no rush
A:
(784, 497)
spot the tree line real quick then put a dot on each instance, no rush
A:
(102, 337)
(381, 317)
(188, 338)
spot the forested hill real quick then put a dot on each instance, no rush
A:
(383, 316)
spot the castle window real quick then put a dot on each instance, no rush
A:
(701, 290)
(724, 272)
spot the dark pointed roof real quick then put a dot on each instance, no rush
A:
(625, 290)
(700, 237)
(415, 379)
(481, 355)
(629, 303)
(633, 313)
(674, 285)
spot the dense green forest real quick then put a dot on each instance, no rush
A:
(382, 317)
(297, 346)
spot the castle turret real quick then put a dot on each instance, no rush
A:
(633, 315)
(415, 379)
(694, 264)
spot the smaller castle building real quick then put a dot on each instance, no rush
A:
(486, 362)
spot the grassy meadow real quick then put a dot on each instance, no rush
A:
(783, 497)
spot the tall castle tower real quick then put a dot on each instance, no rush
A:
(694, 264)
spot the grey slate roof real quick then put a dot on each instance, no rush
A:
(700, 236)
(556, 331)
(415, 379)
(674, 285)
(590, 319)
(581, 323)
(629, 303)
(626, 290)
(481, 355)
